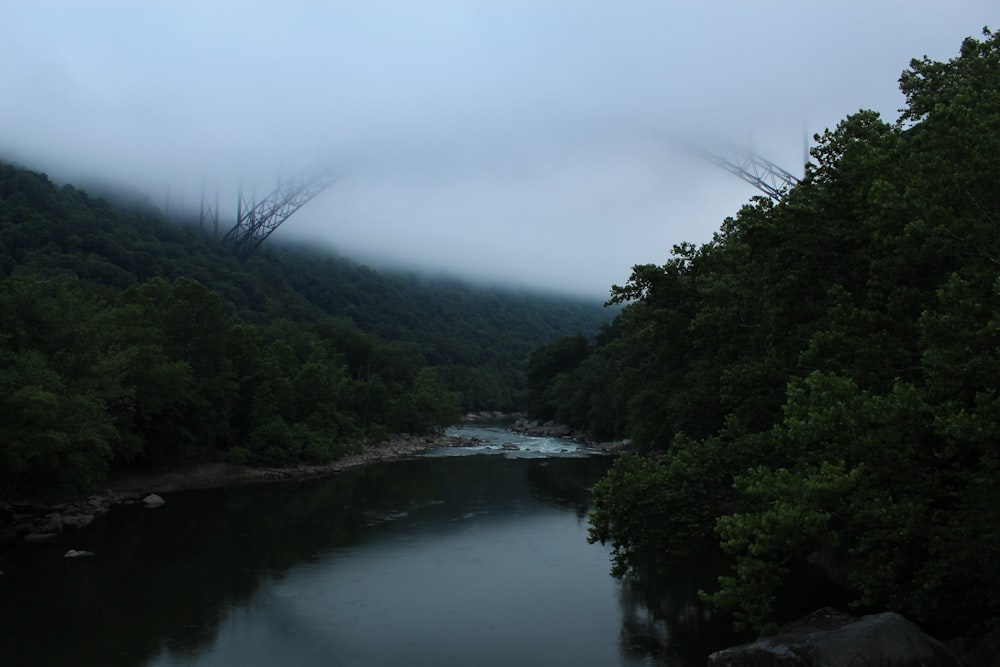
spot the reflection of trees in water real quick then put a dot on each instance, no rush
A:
(166, 579)
(663, 618)
(566, 483)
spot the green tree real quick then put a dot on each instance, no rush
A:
(832, 361)
(59, 373)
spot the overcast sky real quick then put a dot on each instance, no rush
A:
(514, 141)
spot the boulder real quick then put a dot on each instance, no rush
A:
(828, 637)
(486, 416)
(549, 429)
(523, 426)
(555, 430)
(73, 553)
(153, 500)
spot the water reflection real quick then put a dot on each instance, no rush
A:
(163, 578)
(664, 618)
(476, 559)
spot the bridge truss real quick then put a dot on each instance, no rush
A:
(255, 221)
(759, 172)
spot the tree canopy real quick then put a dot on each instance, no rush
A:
(819, 381)
(128, 339)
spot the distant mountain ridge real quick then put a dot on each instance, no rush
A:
(478, 338)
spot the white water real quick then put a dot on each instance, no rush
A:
(494, 440)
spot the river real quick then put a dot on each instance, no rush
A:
(472, 556)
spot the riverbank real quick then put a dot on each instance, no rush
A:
(22, 522)
(553, 429)
(211, 475)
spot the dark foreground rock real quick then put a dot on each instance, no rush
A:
(828, 638)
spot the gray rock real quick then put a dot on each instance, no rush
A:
(549, 429)
(827, 638)
(153, 500)
(558, 430)
(73, 553)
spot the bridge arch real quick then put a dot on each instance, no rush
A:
(256, 220)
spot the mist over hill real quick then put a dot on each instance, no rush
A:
(133, 338)
(472, 331)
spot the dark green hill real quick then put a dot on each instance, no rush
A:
(477, 337)
(128, 338)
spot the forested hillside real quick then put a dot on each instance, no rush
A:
(129, 339)
(826, 369)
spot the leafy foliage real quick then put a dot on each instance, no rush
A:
(91, 377)
(820, 378)
(127, 340)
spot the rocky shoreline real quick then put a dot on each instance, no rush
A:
(831, 637)
(552, 429)
(27, 522)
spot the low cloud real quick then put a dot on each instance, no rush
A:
(503, 140)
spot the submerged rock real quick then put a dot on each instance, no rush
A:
(153, 500)
(829, 637)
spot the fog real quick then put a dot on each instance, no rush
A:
(511, 142)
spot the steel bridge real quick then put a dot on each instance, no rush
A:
(256, 220)
(759, 172)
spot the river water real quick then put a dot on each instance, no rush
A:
(472, 556)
